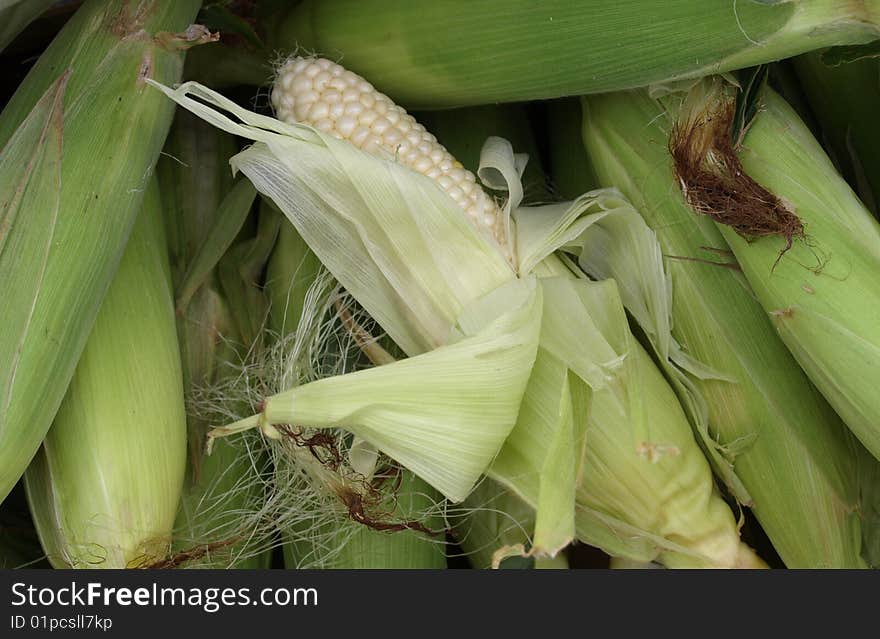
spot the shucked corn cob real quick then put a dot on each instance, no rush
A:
(338, 102)
(436, 278)
(705, 524)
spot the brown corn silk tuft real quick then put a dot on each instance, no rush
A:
(714, 182)
(361, 498)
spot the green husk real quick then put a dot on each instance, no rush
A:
(195, 177)
(849, 126)
(483, 344)
(643, 489)
(239, 274)
(423, 54)
(105, 486)
(822, 294)
(106, 52)
(230, 218)
(768, 432)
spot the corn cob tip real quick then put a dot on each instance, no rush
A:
(323, 94)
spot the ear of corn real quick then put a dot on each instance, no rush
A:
(643, 488)
(30, 168)
(399, 407)
(105, 486)
(821, 294)
(423, 53)
(767, 430)
(848, 126)
(110, 50)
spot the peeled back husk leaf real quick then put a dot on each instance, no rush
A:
(420, 411)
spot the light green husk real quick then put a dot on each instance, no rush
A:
(822, 295)
(494, 358)
(773, 440)
(447, 53)
(105, 486)
(107, 50)
(849, 127)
